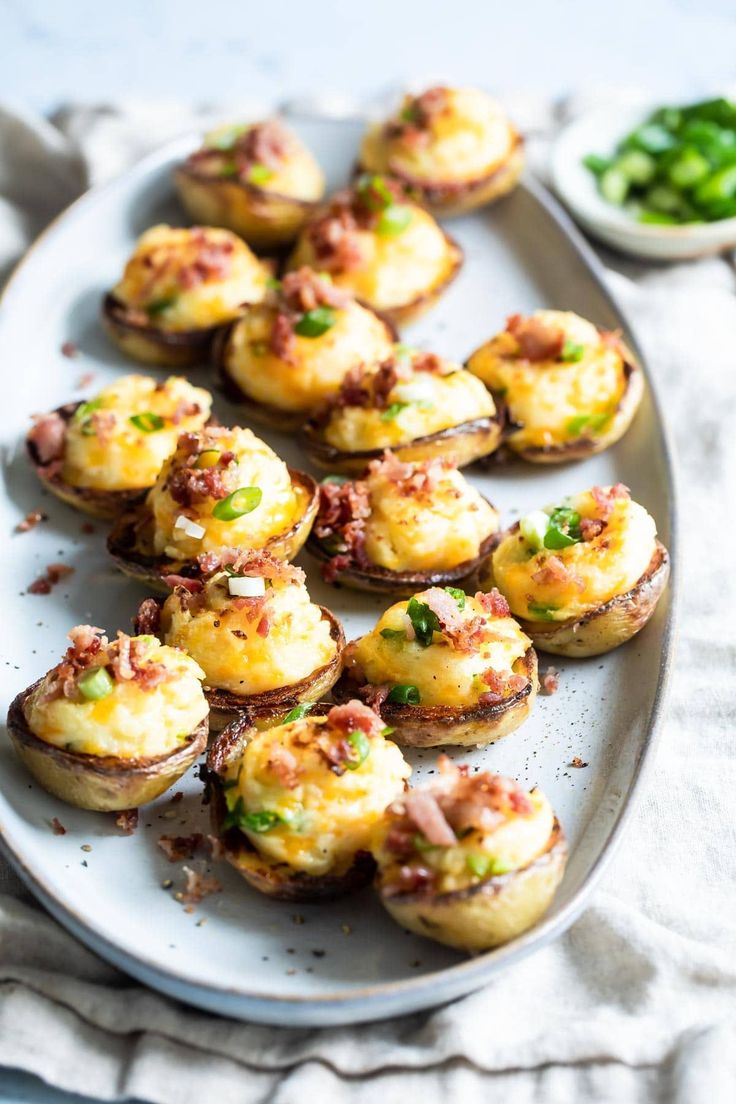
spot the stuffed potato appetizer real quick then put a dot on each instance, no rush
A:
(444, 668)
(253, 629)
(568, 390)
(453, 147)
(381, 247)
(257, 179)
(177, 288)
(103, 454)
(295, 805)
(221, 488)
(286, 356)
(113, 725)
(416, 404)
(402, 527)
(583, 576)
(471, 860)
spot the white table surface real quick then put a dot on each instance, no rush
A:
(224, 50)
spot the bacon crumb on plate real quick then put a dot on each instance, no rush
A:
(69, 349)
(127, 821)
(550, 681)
(198, 886)
(57, 827)
(30, 521)
(577, 762)
(178, 848)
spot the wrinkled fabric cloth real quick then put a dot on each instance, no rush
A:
(637, 1002)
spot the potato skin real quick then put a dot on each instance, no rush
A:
(121, 542)
(265, 219)
(449, 725)
(488, 914)
(464, 443)
(277, 880)
(602, 629)
(152, 345)
(101, 783)
(105, 505)
(381, 580)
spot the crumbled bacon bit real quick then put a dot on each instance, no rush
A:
(375, 695)
(30, 521)
(84, 380)
(605, 498)
(537, 340)
(343, 509)
(305, 289)
(550, 681)
(576, 761)
(591, 527)
(87, 527)
(411, 878)
(213, 261)
(413, 126)
(148, 619)
(46, 438)
(179, 848)
(57, 827)
(423, 808)
(54, 574)
(282, 341)
(264, 625)
(496, 684)
(493, 603)
(553, 571)
(428, 362)
(194, 586)
(216, 847)
(69, 349)
(198, 886)
(420, 478)
(127, 821)
(284, 764)
(353, 716)
(103, 425)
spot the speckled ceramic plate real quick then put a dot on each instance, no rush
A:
(237, 953)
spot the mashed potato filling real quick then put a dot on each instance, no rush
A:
(394, 270)
(442, 673)
(254, 465)
(323, 818)
(317, 366)
(467, 138)
(429, 530)
(131, 721)
(555, 584)
(190, 278)
(421, 404)
(221, 634)
(555, 400)
(119, 439)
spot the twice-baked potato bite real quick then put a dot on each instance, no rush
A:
(250, 624)
(295, 805)
(258, 179)
(445, 667)
(381, 247)
(287, 355)
(113, 725)
(103, 454)
(581, 576)
(221, 488)
(417, 404)
(453, 147)
(471, 860)
(178, 286)
(567, 389)
(402, 527)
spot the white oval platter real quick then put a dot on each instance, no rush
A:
(239, 954)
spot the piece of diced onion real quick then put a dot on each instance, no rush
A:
(189, 527)
(246, 586)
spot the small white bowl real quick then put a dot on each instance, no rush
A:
(600, 131)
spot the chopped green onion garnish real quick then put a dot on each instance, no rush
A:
(388, 730)
(393, 634)
(240, 502)
(484, 865)
(458, 595)
(158, 306)
(563, 529)
(423, 620)
(338, 479)
(361, 745)
(95, 684)
(404, 694)
(228, 168)
(541, 613)
(580, 422)
(226, 138)
(375, 192)
(596, 164)
(572, 352)
(84, 409)
(394, 220)
(393, 410)
(298, 712)
(273, 283)
(207, 458)
(259, 174)
(316, 322)
(148, 422)
(421, 843)
(262, 821)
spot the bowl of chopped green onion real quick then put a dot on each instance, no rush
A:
(655, 182)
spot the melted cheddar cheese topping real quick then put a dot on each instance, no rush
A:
(113, 444)
(418, 405)
(254, 465)
(325, 817)
(185, 279)
(469, 138)
(395, 269)
(130, 722)
(443, 673)
(592, 571)
(555, 401)
(317, 366)
(221, 634)
(428, 530)
(295, 174)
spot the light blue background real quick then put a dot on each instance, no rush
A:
(55, 51)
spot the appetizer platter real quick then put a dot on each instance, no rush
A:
(341, 565)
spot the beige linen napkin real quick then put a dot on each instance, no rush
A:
(637, 1002)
